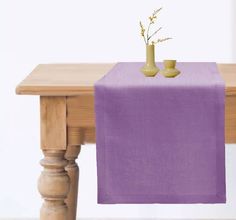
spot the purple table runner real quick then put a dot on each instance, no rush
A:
(160, 140)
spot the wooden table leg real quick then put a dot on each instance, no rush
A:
(54, 185)
(73, 172)
(54, 181)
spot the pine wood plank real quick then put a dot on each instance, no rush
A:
(76, 79)
(53, 122)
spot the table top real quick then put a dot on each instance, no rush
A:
(76, 79)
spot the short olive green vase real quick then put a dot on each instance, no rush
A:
(169, 70)
(150, 69)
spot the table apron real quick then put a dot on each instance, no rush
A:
(81, 119)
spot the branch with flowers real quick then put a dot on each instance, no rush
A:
(146, 35)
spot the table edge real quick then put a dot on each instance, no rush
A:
(43, 90)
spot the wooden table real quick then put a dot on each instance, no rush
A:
(67, 121)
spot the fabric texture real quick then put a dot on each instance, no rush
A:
(160, 140)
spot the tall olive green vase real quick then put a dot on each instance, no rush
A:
(150, 69)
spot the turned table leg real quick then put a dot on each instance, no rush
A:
(73, 172)
(54, 185)
(54, 182)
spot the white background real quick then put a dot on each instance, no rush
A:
(46, 31)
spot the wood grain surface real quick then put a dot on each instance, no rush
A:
(76, 79)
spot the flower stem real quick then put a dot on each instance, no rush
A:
(148, 32)
(154, 33)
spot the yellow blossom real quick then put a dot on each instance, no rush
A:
(146, 34)
(161, 40)
(142, 28)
